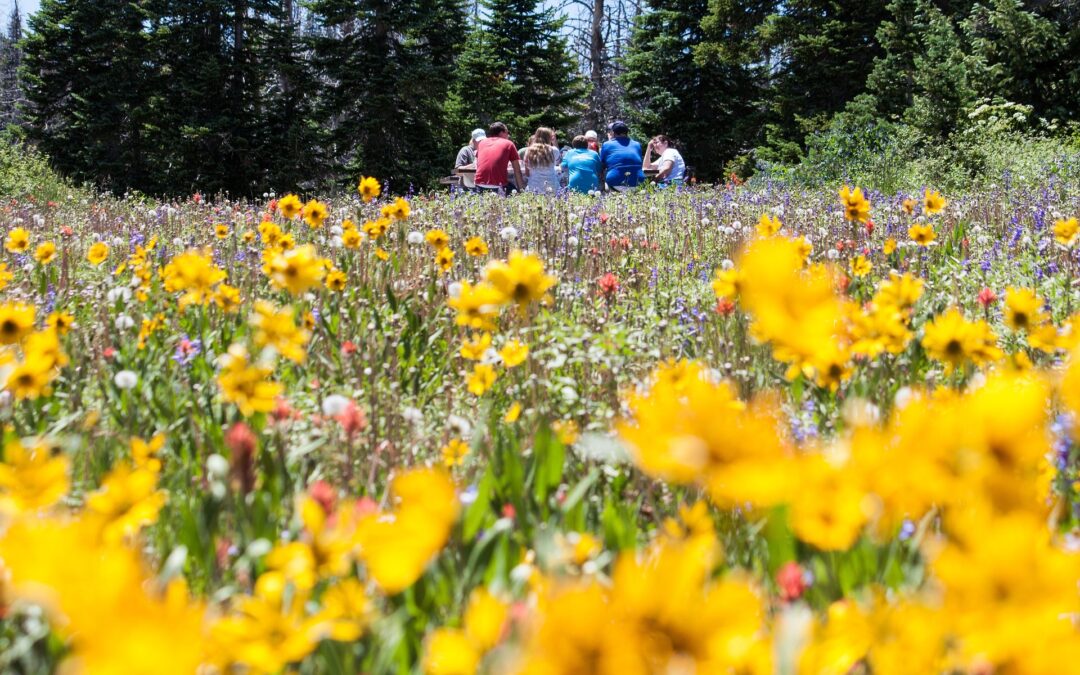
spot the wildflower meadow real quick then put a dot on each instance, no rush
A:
(734, 429)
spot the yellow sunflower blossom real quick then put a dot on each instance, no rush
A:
(396, 547)
(194, 274)
(856, 206)
(45, 253)
(454, 453)
(290, 206)
(437, 239)
(127, 501)
(269, 629)
(953, 340)
(475, 348)
(369, 188)
(514, 353)
(277, 329)
(933, 202)
(6, 276)
(17, 241)
(1023, 309)
(476, 247)
(247, 385)
(61, 322)
(1065, 231)
(520, 280)
(860, 266)
(315, 213)
(768, 226)
(16, 322)
(480, 379)
(398, 210)
(921, 234)
(444, 259)
(477, 305)
(296, 271)
(97, 253)
(336, 280)
(31, 479)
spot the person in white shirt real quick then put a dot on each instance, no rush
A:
(542, 162)
(670, 167)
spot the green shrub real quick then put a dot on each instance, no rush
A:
(25, 172)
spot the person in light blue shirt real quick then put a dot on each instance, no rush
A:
(621, 158)
(582, 165)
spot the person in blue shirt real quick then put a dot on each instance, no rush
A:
(582, 165)
(621, 158)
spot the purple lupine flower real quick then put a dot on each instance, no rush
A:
(187, 350)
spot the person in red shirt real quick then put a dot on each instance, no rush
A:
(493, 155)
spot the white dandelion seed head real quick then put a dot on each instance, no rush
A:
(126, 379)
(217, 466)
(334, 405)
(459, 426)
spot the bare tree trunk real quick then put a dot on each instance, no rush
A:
(597, 54)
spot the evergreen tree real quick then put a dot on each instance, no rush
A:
(85, 76)
(290, 145)
(825, 50)
(1017, 55)
(698, 80)
(924, 75)
(516, 68)
(942, 81)
(1066, 16)
(10, 58)
(206, 89)
(892, 78)
(386, 66)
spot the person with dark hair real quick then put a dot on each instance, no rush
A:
(494, 155)
(670, 167)
(621, 158)
(582, 165)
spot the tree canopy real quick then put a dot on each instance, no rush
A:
(249, 96)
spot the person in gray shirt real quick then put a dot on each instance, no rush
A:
(466, 157)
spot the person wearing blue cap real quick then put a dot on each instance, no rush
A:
(621, 158)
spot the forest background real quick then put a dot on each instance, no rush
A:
(245, 97)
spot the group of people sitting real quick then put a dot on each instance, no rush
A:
(586, 166)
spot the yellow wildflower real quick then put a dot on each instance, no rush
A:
(45, 253)
(98, 253)
(31, 479)
(290, 206)
(369, 188)
(481, 379)
(18, 241)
